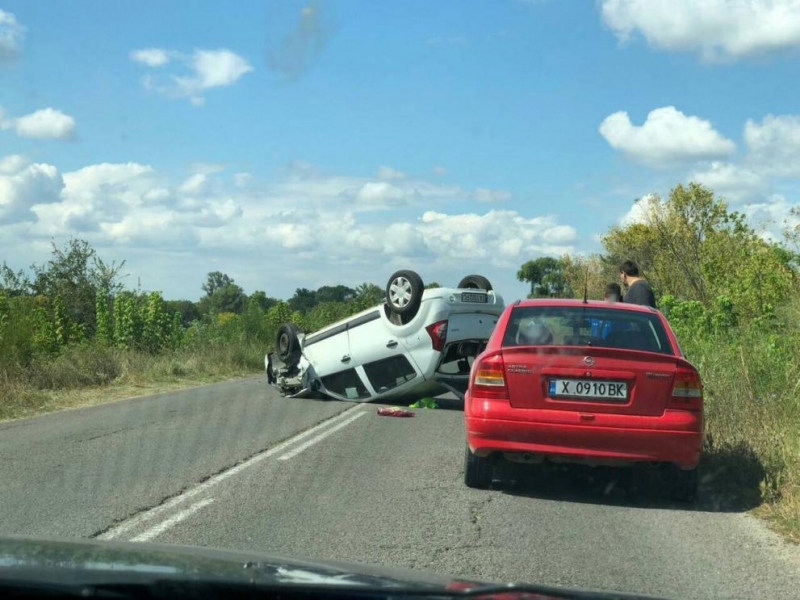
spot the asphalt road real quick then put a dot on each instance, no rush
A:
(235, 466)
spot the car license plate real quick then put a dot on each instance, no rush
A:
(473, 297)
(584, 388)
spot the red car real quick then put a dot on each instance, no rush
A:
(587, 382)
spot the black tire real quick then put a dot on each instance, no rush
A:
(287, 344)
(404, 293)
(682, 484)
(478, 470)
(475, 282)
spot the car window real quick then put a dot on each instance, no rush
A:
(346, 383)
(586, 326)
(389, 373)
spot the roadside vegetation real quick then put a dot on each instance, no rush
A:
(71, 332)
(732, 299)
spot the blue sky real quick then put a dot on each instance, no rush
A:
(298, 144)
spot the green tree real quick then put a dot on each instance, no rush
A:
(76, 273)
(188, 310)
(228, 299)
(303, 300)
(156, 324)
(336, 293)
(215, 281)
(279, 314)
(692, 247)
(125, 320)
(367, 295)
(104, 333)
(13, 283)
(546, 277)
(591, 271)
(260, 300)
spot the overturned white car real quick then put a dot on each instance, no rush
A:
(419, 341)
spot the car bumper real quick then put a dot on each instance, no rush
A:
(585, 443)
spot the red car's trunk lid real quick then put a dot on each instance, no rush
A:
(601, 380)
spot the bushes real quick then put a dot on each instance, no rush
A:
(751, 374)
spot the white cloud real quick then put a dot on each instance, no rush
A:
(208, 69)
(217, 68)
(390, 174)
(242, 179)
(47, 123)
(381, 194)
(152, 57)
(439, 170)
(207, 168)
(11, 35)
(735, 183)
(715, 29)
(667, 137)
(196, 184)
(487, 195)
(12, 164)
(772, 216)
(637, 213)
(316, 225)
(498, 236)
(774, 144)
(36, 184)
(95, 195)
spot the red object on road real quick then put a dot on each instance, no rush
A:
(587, 382)
(394, 411)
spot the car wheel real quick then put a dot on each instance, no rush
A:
(404, 293)
(287, 344)
(682, 484)
(478, 470)
(476, 282)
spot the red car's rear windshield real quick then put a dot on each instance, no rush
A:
(586, 326)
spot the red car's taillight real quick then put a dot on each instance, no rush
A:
(438, 333)
(687, 392)
(488, 378)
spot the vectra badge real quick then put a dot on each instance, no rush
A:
(588, 361)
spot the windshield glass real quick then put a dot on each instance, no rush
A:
(579, 326)
(254, 255)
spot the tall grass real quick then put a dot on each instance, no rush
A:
(33, 380)
(40, 387)
(752, 381)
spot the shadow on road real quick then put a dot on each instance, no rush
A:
(629, 487)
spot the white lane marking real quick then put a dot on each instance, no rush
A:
(173, 520)
(302, 447)
(126, 526)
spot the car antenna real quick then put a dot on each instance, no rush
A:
(586, 286)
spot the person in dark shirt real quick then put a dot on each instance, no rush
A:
(639, 291)
(613, 293)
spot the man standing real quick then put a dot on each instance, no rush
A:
(639, 291)
(613, 293)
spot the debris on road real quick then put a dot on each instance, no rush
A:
(424, 403)
(394, 411)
